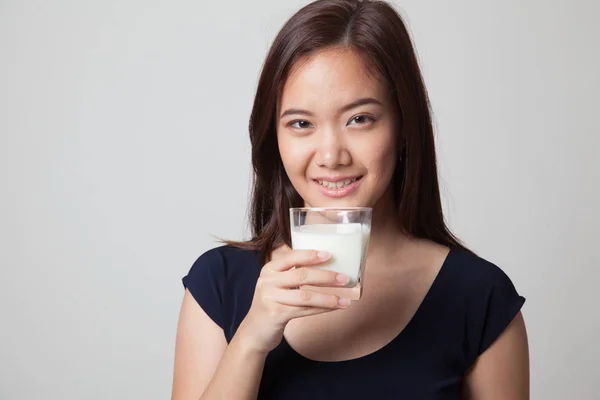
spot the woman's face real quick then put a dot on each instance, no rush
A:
(336, 132)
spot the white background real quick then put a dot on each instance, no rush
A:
(123, 148)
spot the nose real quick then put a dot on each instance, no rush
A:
(331, 150)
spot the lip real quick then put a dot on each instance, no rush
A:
(336, 179)
(341, 192)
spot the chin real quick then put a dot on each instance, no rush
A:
(323, 201)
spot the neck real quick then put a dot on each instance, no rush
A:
(386, 228)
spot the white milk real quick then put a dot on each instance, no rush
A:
(347, 244)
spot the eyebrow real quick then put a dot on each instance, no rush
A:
(347, 107)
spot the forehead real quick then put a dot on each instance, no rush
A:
(330, 79)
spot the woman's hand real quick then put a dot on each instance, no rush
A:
(278, 297)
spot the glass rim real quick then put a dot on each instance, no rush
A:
(293, 209)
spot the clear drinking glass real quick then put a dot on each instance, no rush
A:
(344, 232)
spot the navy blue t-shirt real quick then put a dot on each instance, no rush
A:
(469, 304)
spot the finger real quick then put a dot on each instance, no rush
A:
(299, 312)
(309, 276)
(298, 257)
(309, 298)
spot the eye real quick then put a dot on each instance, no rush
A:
(300, 124)
(362, 119)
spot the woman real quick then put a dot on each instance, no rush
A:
(341, 118)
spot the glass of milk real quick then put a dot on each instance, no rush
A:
(343, 232)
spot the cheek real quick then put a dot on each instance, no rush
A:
(380, 156)
(388, 158)
(383, 168)
(294, 157)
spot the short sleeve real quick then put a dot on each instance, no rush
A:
(491, 309)
(205, 281)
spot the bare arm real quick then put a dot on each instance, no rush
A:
(205, 366)
(239, 373)
(502, 371)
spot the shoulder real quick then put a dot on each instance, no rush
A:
(472, 272)
(222, 280)
(486, 294)
(226, 251)
(224, 262)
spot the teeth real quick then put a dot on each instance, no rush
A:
(336, 185)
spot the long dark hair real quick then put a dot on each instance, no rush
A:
(374, 30)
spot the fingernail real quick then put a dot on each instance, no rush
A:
(323, 255)
(344, 302)
(341, 278)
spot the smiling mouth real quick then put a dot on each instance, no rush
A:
(336, 185)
